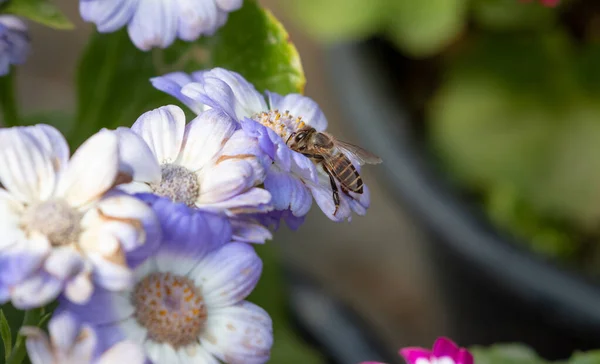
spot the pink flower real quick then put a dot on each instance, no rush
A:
(445, 351)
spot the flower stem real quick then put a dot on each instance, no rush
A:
(8, 102)
(31, 318)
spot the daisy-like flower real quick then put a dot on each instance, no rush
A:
(14, 42)
(71, 342)
(157, 23)
(292, 178)
(209, 164)
(187, 305)
(60, 228)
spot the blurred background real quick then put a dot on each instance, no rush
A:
(501, 99)
(374, 264)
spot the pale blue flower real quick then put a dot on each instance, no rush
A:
(188, 304)
(14, 42)
(71, 342)
(157, 23)
(292, 179)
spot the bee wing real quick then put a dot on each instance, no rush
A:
(354, 151)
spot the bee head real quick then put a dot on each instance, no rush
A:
(297, 140)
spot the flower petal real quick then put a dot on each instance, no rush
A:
(228, 275)
(172, 83)
(54, 142)
(299, 106)
(108, 15)
(92, 170)
(196, 354)
(131, 220)
(20, 260)
(103, 308)
(38, 346)
(83, 350)
(287, 192)
(248, 230)
(247, 101)
(63, 329)
(160, 353)
(154, 24)
(162, 129)
(224, 181)
(229, 5)
(196, 18)
(27, 171)
(212, 93)
(79, 289)
(64, 262)
(239, 334)
(204, 138)
(123, 352)
(133, 330)
(253, 200)
(36, 291)
(136, 158)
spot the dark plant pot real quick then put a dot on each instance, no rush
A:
(493, 290)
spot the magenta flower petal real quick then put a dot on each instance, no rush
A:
(464, 357)
(444, 347)
(411, 355)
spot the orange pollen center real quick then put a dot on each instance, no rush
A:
(170, 307)
(281, 123)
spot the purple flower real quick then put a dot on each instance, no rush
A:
(292, 178)
(445, 351)
(14, 42)
(72, 342)
(188, 304)
(158, 23)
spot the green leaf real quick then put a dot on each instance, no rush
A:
(506, 354)
(423, 28)
(40, 11)
(113, 76)
(591, 357)
(336, 20)
(269, 294)
(6, 335)
(513, 15)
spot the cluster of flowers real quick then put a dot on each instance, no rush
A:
(144, 234)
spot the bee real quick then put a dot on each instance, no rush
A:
(333, 154)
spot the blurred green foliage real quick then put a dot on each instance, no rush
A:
(419, 28)
(519, 354)
(40, 11)
(518, 120)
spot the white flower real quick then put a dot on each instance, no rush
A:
(60, 228)
(73, 343)
(208, 163)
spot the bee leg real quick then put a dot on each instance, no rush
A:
(336, 196)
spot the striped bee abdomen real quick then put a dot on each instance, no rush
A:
(346, 174)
